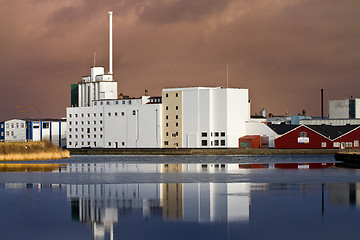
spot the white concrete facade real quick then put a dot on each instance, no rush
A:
(344, 109)
(122, 123)
(209, 117)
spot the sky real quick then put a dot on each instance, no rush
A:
(283, 51)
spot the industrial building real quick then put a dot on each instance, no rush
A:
(316, 136)
(21, 130)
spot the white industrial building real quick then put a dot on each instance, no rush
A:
(20, 130)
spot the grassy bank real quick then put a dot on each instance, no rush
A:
(22, 151)
(197, 151)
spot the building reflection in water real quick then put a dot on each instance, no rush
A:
(345, 194)
(101, 205)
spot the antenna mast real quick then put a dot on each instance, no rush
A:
(227, 75)
(94, 59)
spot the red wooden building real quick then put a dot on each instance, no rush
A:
(317, 137)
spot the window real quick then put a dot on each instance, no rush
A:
(216, 134)
(88, 130)
(88, 143)
(167, 95)
(204, 134)
(69, 115)
(82, 129)
(109, 144)
(17, 125)
(100, 121)
(122, 114)
(303, 134)
(7, 125)
(167, 124)
(356, 143)
(177, 133)
(46, 125)
(101, 103)
(167, 108)
(116, 102)
(176, 124)
(12, 125)
(203, 142)
(115, 114)
(216, 142)
(350, 144)
(167, 134)
(82, 136)
(177, 117)
(166, 143)
(94, 129)
(100, 129)
(167, 117)
(70, 123)
(76, 115)
(82, 115)
(95, 103)
(88, 122)
(88, 114)
(76, 129)
(69, 136)
(107, 103)
(70, 143)
(22, 125)
(94, 122)
(123, 102)
(123, 143)
(176, 94)
(100, 135)
(222, 134)
(134, 112)
(109, 114)
(76, 136)
(222, 142)
(323, 144)
(100, 114)
(177, 108)
(7, 133)
(94, 135)
(94, 114)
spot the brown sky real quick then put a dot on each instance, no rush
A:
(283, 51)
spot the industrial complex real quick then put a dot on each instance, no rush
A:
(192, 117)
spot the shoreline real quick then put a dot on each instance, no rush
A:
(198, 151)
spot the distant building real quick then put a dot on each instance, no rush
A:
(344, 109)
(20, 130)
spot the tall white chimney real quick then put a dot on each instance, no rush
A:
(110, 43)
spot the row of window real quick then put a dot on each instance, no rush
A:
(82, 115)
(176, 108)
(167, 124)
(88, 143)
(123, 102)
(167, 117)
(213, 143)
(82, 122)
(215, 134)
(87, 130)
(13, 125)
(109, 114)
(176, 95)
(83, 136)
(173, 134)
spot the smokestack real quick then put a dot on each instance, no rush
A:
(322, 103)
(110, 43)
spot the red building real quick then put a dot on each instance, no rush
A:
(316, 137)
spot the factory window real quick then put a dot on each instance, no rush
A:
(94, 135)
(109, 144)
(7, 125)
(134, 112)
(95, 103)
(167, 134)
(115, 114)
(122, 114)
(100, 114)
(222, 142)
(177, 117)
(356, 143)
(82, 129)
(88, 122)
(100, 129)
(109, 114)
(107, 103)
(167, 124)
(76, 115)
(166, 143)
(70, 123)
(88, 143)
(223, 134)
(176, 124)
(116, 102)
(12, 125)
(69, 115)
(88, 130)
(82, 136)
(303, 134)
(94, 114)
(176, 94)
(129, 102)
(76, 129)
(203, 142)
(82, 115)
(323, 144)
(123, 143)
(88, 136)
(100, 121)
(94, 122)
(82, 143)
(76, 123)
(167, 108)
(167, 117)
(17, 125)
(167, 95)
(70, 143)
(177, 133)
(100, 136)
(69, 136)
(94, 129)
(76, 136)
(7, 133)
(216, 134)
(123, 102)
(216, 142)
(88, 114)
(22, 125)
(204, 134)
(177, 108)
(46, 125)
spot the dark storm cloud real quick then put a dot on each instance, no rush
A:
(283, 51)
(164, 12)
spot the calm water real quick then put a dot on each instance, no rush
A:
(180, 197)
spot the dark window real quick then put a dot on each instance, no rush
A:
(203, 142)
(222, 142)
(204, 134)
(216, 134)
(88, 130)
(223, 134)
(303, 134)
(46, 125)
(216, 142)
(177, 107)
(176, 94)
(166, 143)
(167, 95)
(134, 112)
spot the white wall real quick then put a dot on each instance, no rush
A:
(15, 130)
(258, 128)
(339, 109)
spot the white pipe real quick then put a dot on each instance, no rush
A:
(110, 43)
